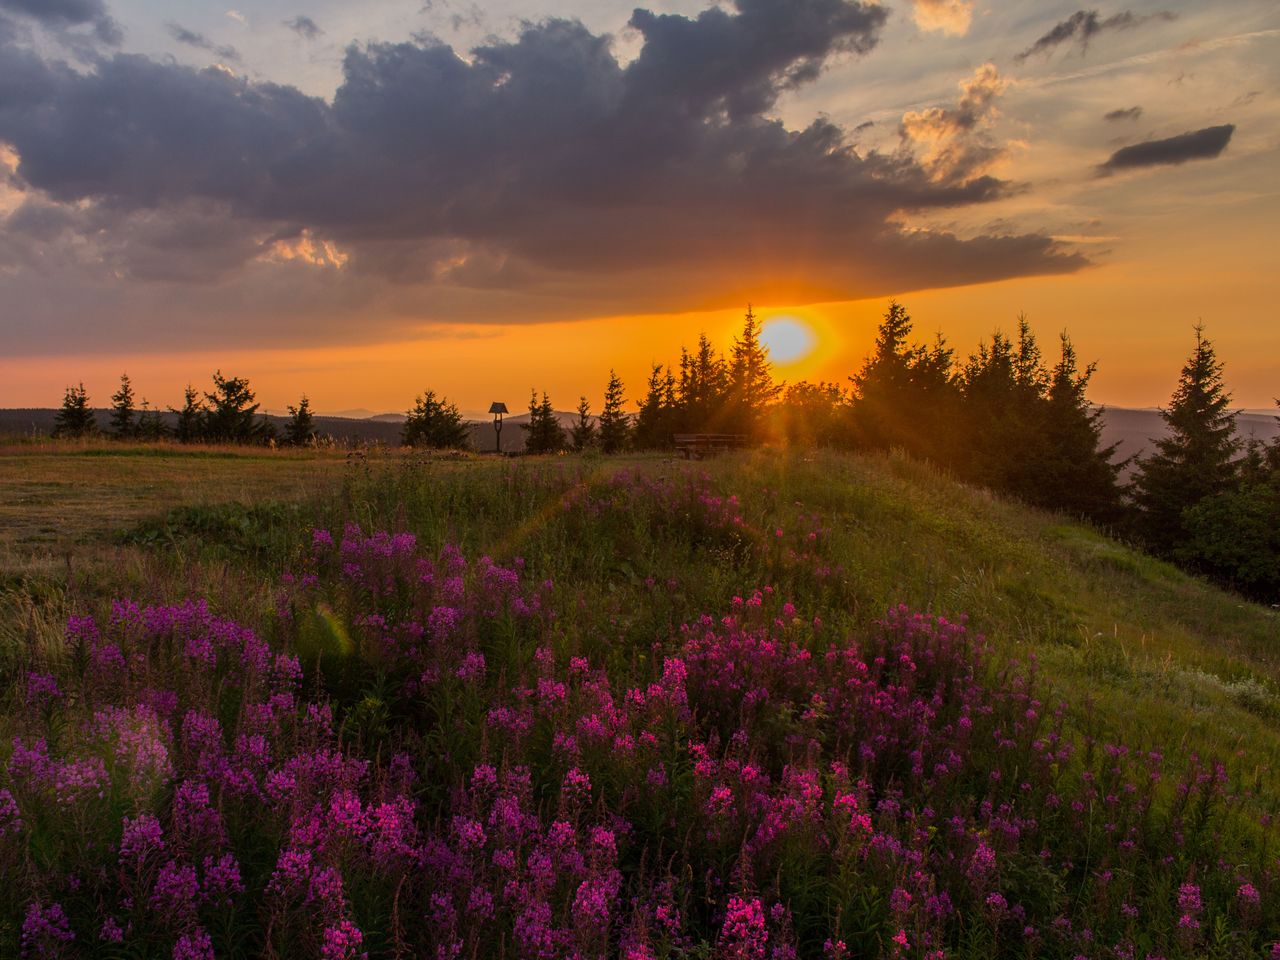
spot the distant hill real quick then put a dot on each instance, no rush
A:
(381, 428)
(1133, 429)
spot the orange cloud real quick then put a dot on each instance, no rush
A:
(951, 17)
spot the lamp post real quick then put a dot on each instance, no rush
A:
(497, 409)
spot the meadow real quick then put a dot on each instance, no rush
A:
(771, 705)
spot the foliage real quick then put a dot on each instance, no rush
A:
(615, 426)
(751, 387)
(1196, 459)
(1073, 471)
(230, 413)
(813, 415)
(190, 417)
(436, 423)
(906, 396)
(543, 433)
(76, 418)
(300, 430)
(151, 426)
(124, 424)
(583, 432)
(655, 425)
(1234, 537)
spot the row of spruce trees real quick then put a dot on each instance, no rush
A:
(227, 414)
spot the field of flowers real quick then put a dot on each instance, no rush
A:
(417, 748)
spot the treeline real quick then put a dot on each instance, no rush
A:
(227, 414)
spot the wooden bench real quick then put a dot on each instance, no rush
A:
(695, 446)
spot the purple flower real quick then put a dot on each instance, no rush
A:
(10, 815)
(42, 691)
(140, 837)
(45, 931)
(222, 879)
(176, 891)
(110, 931)
(196, 945)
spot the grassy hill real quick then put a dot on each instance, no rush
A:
(629, 549)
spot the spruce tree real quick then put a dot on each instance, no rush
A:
(583, 433)
(191, 418)
(300, 430)
(1072, 470)
(881, 387)
(151, 426)
(543, 433)
(615, 426)
(231, 414)
(651, 422)
(434, 422)
(703, 390)
(123, 423)
(1003, 387)
(75, 419)
(752, 389)
(1195, 460)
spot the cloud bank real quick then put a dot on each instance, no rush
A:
(536, 178)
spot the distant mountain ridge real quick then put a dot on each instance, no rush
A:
(1134, 430)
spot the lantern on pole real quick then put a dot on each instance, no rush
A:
(497, 409)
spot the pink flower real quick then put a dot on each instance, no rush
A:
(343, 942)
(743, 935)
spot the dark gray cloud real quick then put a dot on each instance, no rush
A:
(1084, 25)
(304, 27)
(1123, 113)
(1197, 145)
(198, 40)
(60, 14)
(537, 177)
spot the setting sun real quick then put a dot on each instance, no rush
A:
(789, 339)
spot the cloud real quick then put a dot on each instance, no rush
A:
(1197, 145)
(947, 16)
(198, 40)
(954, 140)
(304, 27)
(536, 178)
(1083, 25)
(60, 14)
(1123, 113)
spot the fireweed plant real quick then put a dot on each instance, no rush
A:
(413, 759)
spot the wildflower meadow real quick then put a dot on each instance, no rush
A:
(409, 745)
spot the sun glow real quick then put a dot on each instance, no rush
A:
(789, 338)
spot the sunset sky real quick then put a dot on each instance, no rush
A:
(364, 199)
